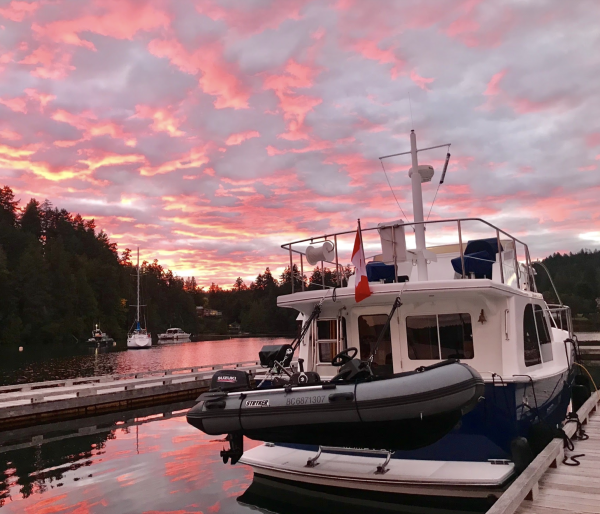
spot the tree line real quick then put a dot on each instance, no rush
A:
(59, 276)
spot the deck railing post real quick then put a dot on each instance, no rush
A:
(516, 264)
(462, 255)
(338, 275)
(302, 270)
(530, 274)
(500, 256)
(291, 269)
(394, 254)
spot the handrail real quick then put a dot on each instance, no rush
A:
(528, 282)
(396, 225)
(551, 281)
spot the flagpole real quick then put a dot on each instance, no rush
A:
(360, 235)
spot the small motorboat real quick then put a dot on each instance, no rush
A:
(174, 334)
(354, 409)
(100, 339)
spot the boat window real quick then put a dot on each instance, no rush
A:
(369, 328)
(536, 330)
(327, 338)
(422, 336)
(530, 339)
(440, 336)
(456, 336)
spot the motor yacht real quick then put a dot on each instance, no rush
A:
(436, 291)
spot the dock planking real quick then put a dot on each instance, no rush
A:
(23, 405)
(548, 486)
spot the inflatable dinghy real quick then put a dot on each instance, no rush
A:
(403, 411)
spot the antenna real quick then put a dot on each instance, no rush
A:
(412, 123)
(441, 182)
(445, 168)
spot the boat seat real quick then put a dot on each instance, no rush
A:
(378, 271)
(479, 258)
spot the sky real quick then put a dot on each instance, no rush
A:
(208, 132)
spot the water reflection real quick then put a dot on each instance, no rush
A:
(146, 461)
(149, 461)
(38, 364)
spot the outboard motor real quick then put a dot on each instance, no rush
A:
(230, 380)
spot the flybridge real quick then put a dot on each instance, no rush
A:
(461, 248)
(469, 248)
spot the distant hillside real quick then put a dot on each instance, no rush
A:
(577, 279)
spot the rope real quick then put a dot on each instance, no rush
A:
(588, 373)
(579, 435)
(436, 192)
(389, 184)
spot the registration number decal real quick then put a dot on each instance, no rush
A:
(257, 403)
(305, 400)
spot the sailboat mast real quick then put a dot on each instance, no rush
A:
(137, 319)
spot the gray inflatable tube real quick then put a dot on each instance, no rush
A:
(404, 411)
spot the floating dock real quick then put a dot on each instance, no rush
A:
(549, 486)
(23, 405)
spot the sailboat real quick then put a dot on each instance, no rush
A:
(138, 337)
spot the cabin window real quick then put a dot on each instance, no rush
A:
(327, 339)
(369, 328)
(536, 336)
(440, 336)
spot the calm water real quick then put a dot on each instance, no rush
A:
(144, 461)
(37, 364)
(148, 461)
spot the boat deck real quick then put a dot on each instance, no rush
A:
(400, 476)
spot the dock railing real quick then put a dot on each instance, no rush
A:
(39, 391)
(343, 242)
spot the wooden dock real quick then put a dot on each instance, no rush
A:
(547, 486)
(24, 405)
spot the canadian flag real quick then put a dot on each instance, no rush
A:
(361, 283)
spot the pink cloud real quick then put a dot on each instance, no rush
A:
(217, 76)
(163, 119)
(196, 157)
(369, 49)
(17, 104)
(51, 63)
(92, 127)
(32, 96)
(18, 10)
(252, 20)
(420, 81)
(119, 19)
(593, 139)
(493, 87)
(9, 134)
(240, 137)
(295, 107)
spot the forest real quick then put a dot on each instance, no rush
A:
(59, 276)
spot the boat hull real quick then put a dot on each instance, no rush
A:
(137, 341)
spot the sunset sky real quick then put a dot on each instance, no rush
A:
(210, 132)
